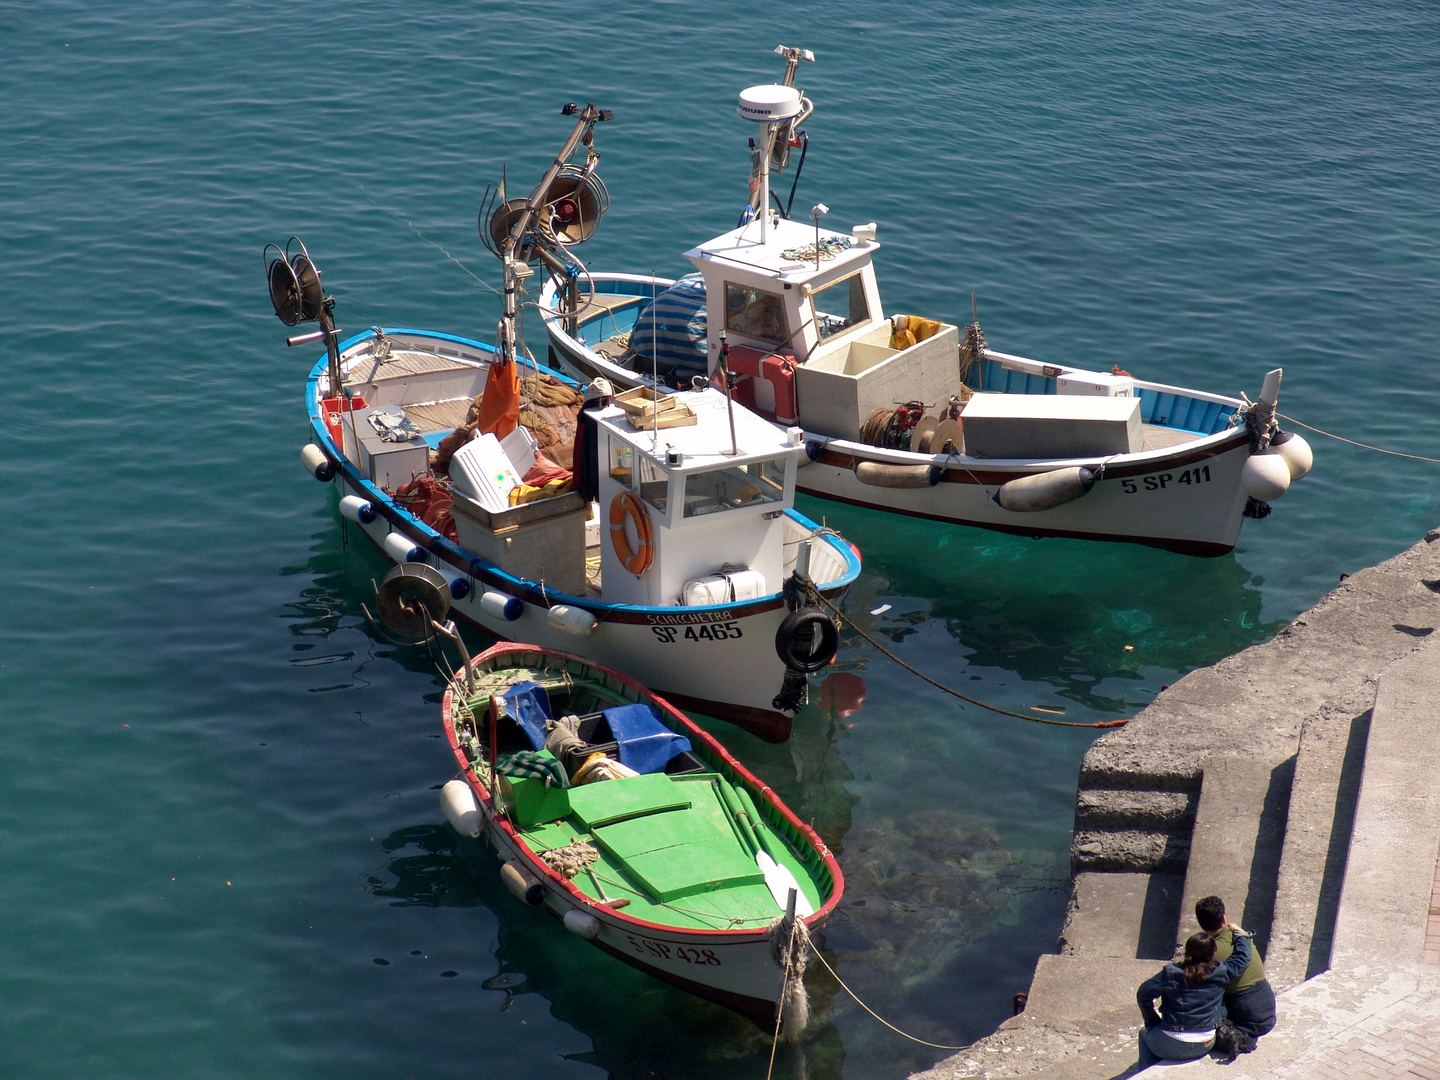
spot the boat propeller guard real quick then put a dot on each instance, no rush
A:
(411, 597)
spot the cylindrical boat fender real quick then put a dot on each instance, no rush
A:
(499, 606)
(358, 510)
(1045, 491)
(582, 924)
(813, 449)
(403, 549)
(461, 809)
(1296, 452)
(878, 474)
(522, 885)
(1265, 477)
(316, 463)
(807, 639)
(572, 620)
(459, 583)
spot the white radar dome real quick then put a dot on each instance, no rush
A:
(769, 104)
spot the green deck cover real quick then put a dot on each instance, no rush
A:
(679, 852)
(594, 805)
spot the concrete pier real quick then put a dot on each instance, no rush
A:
(1300, 781)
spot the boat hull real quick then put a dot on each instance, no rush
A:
(1187, 498)
(732, 968)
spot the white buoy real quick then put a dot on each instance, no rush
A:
(357, 509)
(582, 924)
(461, 809)
(522, 886)
(499, 606)
(877, 474)
(571, 620)
(1265, 477)
(316, 463)
(1296, 452)
(402, 548)
(1044, 491)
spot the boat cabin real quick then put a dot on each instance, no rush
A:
(713, 520)
(811, 332)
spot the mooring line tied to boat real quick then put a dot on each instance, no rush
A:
(1352, 442)
(956, 693)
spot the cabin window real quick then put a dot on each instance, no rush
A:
(729, 489)
(622, 462)
(755, 313)
(840, 306)
(654, 484)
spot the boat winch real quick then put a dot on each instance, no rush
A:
(1045, 491)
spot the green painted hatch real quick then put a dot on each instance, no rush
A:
(594, 805)
(678, 853)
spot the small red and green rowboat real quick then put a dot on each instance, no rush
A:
(676, 860)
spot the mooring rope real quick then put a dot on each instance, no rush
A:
(1352, 442)
(877, 1016)
(956, 693)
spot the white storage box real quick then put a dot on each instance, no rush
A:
(390, 465)
(481, 469)
(1051, 426)
(1095, 384)
(724, 588)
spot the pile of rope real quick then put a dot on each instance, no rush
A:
(891, 427)
(972, 344)
(569, 860)
(828, 249)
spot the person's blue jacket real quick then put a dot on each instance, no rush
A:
(1187, 1007)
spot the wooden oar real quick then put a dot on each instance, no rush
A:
(778, 879)
(781, 873)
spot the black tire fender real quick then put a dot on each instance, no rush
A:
(807, 639)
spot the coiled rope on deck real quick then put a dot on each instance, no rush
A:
(815, 595)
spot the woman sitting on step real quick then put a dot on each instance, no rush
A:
(1191, 999)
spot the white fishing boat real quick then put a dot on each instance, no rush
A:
(916, 415)
(655, 534)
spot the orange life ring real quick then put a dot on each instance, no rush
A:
(626, 505)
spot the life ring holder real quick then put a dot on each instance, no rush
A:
(626, 505)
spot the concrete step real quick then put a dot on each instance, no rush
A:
(1129, 851)
(1098, 809)
(1126, 916)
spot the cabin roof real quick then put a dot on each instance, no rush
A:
(741, 249)
(703, 443)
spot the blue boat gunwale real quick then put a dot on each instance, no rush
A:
(475, 568)
(1219, 410)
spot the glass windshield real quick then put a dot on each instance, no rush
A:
(654, 484)
(755, 313)
(839, 306)
(729, 489)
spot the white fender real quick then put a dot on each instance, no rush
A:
(499, 606)
(878, 474)
(571, 620)
(1296, 452)
(1045, 491)
(316, 463)
(461, 809)
(582, 924)
(522, 886)
(403, 549)
(357, 509)
(1265, 477)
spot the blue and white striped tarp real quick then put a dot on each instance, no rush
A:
(671, 329)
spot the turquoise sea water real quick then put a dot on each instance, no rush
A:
(222, 851)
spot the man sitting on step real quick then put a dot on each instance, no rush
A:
(1249, 1000)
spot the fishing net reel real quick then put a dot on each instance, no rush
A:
(294, 282)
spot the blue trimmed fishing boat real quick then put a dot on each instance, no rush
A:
(915, 415)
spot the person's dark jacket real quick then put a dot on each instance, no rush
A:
(1191, 1007)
